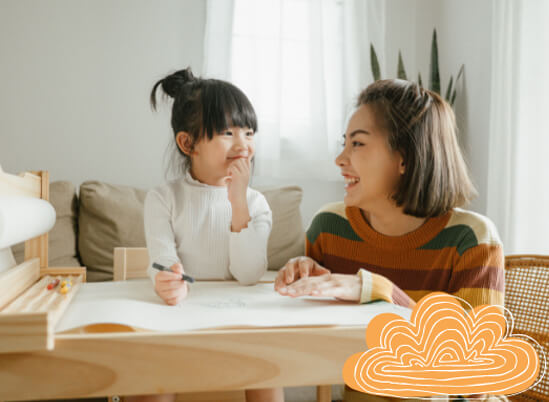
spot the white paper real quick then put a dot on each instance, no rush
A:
(211, 305)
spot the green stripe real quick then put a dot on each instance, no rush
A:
(460, 236)
(328, 222)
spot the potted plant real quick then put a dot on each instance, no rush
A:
(434, 75)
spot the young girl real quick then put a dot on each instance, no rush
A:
(399, 233)
(208, 224)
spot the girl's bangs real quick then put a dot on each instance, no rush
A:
(228, 107)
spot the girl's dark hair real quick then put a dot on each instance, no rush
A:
(202, 107)
(421, 126)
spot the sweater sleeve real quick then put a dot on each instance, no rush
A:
(313, 250)
(248, 248)
(378, 287)
(159, 233)
(478, 276)
(313, 240)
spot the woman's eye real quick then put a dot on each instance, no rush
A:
(356, 144)
(229, 133)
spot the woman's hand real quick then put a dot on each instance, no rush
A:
(237, 186)
(340, 286)
(169, 286)
(296, 268)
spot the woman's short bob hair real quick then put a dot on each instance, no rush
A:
(421, 126)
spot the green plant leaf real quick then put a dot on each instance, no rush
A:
(434, 76)
(375, 64)
(401, 72)
(449, 89)
(460, 73)
(419, 80)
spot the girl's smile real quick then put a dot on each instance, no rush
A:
(237, 157)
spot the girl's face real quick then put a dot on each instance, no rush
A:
(210, 159)
(370, 167)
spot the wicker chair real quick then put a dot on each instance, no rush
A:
(527, 297)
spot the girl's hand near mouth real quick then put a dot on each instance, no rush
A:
(237, 185)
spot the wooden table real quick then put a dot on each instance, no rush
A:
(92, 363)
(89, 365)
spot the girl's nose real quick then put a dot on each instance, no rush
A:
(240, 142)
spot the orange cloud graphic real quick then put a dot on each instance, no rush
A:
(443, 350)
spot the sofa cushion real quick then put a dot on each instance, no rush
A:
(287, 238)
(112, 216)
(62, 237)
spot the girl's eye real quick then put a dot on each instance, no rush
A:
(356, 144)
(250, 134)
(230, 133)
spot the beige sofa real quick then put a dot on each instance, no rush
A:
(103, 216)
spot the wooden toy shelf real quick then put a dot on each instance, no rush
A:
(29, 311)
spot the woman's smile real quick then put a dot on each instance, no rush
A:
(350, 181)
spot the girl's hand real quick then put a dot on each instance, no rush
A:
(237, 181)
(296, 268)
(237, 186)
(340, 286)
(169, 286)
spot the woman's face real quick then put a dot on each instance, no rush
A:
(370, 167)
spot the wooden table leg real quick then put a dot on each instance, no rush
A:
(324, 393)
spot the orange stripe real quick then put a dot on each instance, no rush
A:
(413, 259)
(482, 255)
(314, 251)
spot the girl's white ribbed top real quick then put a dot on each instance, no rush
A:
(190, 222)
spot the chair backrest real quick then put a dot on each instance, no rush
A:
(527, 297)
(130, 263)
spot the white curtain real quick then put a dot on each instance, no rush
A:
(518, 176)
(302, 63)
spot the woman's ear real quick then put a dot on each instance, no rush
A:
(401, 166)
(184, 142)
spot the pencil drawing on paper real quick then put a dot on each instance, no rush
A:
(234, 302)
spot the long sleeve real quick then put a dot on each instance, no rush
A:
(248, 248)
(313, 249)
(159, 233)
(478, 276)
(378, 287)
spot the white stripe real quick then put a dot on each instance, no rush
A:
(366, 293)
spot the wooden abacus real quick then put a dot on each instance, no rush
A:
(28, 310)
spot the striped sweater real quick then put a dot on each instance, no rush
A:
(459, 253)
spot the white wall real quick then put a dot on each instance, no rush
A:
(76, 77)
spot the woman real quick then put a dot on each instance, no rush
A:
(400, 233)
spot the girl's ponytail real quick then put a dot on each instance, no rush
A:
(173, 84)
